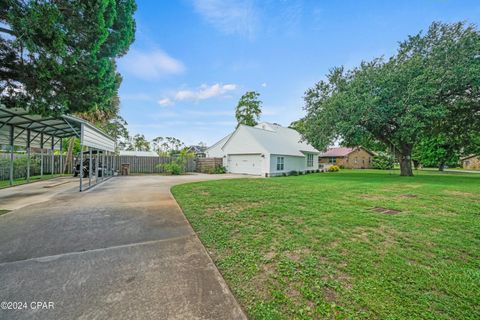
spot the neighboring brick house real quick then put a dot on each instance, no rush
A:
(352, 158)
(471, 162)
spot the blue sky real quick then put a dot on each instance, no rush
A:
(193, 59)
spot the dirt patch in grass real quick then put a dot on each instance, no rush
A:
(270, 255)
(460, 193)
(330, 294)
(233, 208)
(408, 196)
(297, 255)
(386, 210)
(372, 197)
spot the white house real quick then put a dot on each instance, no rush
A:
(266, 149)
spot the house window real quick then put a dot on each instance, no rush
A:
(280, 163)
(309, 160)
(332, 160)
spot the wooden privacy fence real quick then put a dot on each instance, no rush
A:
(148, 164)
(136, 164)
(206, 165)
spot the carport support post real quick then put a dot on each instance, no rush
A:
(12, 138)
(108, 162)
(113, 163)
(96, 167)
(103, 165)
(41, 154)
(52, 156)
(81, 159)
(28, 154)
(60, 170)
(89, 166)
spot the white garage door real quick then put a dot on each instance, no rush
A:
(245, 163)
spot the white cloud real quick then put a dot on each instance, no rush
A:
(150, 65)
(264, 84)
(165, 102)
(204, 92)
(230, 16)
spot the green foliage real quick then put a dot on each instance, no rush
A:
(76, 145)
(298, 125)
(436, 151)
(167, 145)
(383, 161)
(116, 128)
(173, 168)
(293, 173)
(178, 164)
(59, 56)
(248, 109)
(140, 143)
(429, 87)
(20, 163)
(333, 168)
(219, 170)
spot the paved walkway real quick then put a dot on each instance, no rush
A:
(26, 194)
(122, 250)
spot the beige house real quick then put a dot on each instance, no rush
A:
(471, 162)
(352, 158)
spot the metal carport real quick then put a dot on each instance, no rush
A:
(20, 128)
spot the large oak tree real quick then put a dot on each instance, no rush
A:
(431, 86)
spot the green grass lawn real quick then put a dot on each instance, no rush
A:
(312, 247)
(19, 181)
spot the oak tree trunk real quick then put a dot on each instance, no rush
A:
(406, 161)
(68, 163)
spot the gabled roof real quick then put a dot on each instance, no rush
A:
(341, 152)
(275, 139)
(197, 149)
(468, 157)
(220, 143)
(337, 152)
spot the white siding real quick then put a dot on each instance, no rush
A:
(216, 151)
(242, 142)
(92, 137)
(290, 163)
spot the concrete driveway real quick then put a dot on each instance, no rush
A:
(122, 250)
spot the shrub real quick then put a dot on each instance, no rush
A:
(300, 173)
(382, 161)
(293, 173)
(317, 171)
(219, 170)
(173, 168)
(178, 164)
(333, 168)
(341, 166)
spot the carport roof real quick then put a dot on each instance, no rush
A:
(63, 126)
